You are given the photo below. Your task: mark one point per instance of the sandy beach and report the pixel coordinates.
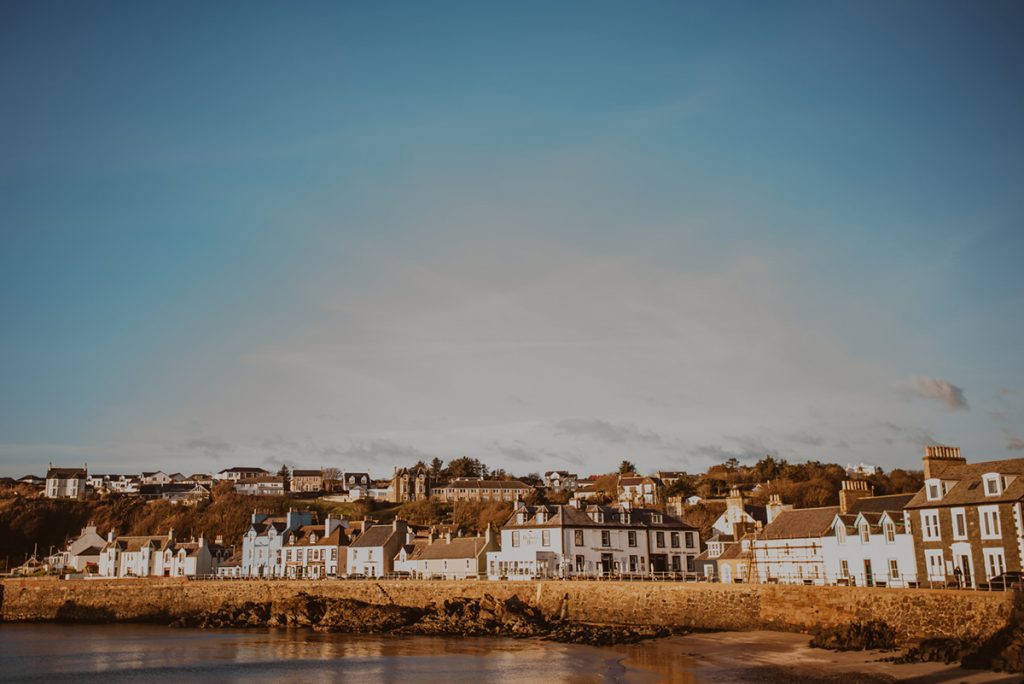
(769, 657)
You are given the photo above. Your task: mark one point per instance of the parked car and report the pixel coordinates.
(1008, 581)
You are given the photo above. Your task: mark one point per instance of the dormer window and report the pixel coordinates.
(656, 518)
(598, 516)
(521, 517)
(933, 489)
(865, 533)
(542, 516)
(993, 484)
(841, 533)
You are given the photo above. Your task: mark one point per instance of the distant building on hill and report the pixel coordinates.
(67, 483)
(474, 489)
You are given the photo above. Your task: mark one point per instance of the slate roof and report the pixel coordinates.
(307, 473)
(800, 523)
(65, 473)
(614, 516)
(880, 504)
(969, 488)
(459, 547)
(486, 484)
(375, 536)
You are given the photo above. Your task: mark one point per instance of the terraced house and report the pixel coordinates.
(552, 541)
(967, 521)
(473, 489)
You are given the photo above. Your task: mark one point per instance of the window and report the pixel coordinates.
(890, 533)
(936, 565)
(865, 533)
(659, 539)
(606, 538)
(545, 537)
(993, 484)
(990, 522)
(844, 569)
(515, 538)
(959, 523)
(930, 526)
(995, 563)
(933, 489)
(631, 536)
(841, 534)
(674, 537)
(894, 569)
(578, 537)
(690, 540)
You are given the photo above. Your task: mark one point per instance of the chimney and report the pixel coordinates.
(489, 534)
(938, 459)
(110, 536)
(852, 491)
(774, 507)
(170, 534)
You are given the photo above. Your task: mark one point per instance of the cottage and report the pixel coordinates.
(448, 557)
(373, 553)
(82, 553)
(790, 549)
(870, 543)
(157, 477)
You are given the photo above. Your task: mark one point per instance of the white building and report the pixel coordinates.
(261, 545)
(81, 553)
(156, 477)
(561, 480)
(639, 491)
(373, 552)
(265, 485)
(790, 549)
(66, 483)
(240, 473)
(448, 557)
(871, 545)
(567, 541)
(158, 556)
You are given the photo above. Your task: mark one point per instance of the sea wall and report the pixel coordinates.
(912, 613)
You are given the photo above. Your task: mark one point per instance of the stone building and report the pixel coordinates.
(410, 484)
(967, 521)
(307, 480)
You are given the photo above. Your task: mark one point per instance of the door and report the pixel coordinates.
(965, 568)
(606, 563)
(869, 579)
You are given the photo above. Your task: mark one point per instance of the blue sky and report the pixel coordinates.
(545, 234)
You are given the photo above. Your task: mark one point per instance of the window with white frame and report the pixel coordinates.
(995, 562)
(993, 484)
(894, 569)
(545, 537)
(844, 569)
(578, 537)
(935, 564)
(933, 489)
(959, 523)
(606, 538)
(989, 516)
(865, 533)
(841, 533)
(890, 533)
(515, 538)
(930, 526)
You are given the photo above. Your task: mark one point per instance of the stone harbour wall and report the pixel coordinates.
(912, 613)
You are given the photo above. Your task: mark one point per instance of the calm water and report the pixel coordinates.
(117, 653)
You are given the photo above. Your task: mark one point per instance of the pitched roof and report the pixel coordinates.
(879, 504)
(486, 484)
(800, 522)
(378, 535)
(307, 473)
(614, 516)
(458, 547)
(65, 473)
(969, 488)
(242, 469)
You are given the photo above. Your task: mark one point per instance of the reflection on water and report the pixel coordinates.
(109, 653)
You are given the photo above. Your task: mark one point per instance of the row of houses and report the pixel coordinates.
(138, 556)
(963, 528)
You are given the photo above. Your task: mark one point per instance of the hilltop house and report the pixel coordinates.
(307, 480)
(569, 541)
(478, 489)
(240, 473)
(66, 483)
(639, 491)
(410, 484)
(561, 480)
(263, 485)
(968, 520)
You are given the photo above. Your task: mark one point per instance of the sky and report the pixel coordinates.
(545, 235)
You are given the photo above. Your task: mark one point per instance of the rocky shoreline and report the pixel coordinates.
(487, 616)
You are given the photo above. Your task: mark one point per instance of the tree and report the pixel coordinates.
(436, 466)
(423, 512)
(464, 466)
(626, 468)
(286, 475)
(332, 479)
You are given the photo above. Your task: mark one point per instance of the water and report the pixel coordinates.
(119, 653)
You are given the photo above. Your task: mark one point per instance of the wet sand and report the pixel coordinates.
(770, 657)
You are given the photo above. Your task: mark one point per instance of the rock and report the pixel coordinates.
(858, 636)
